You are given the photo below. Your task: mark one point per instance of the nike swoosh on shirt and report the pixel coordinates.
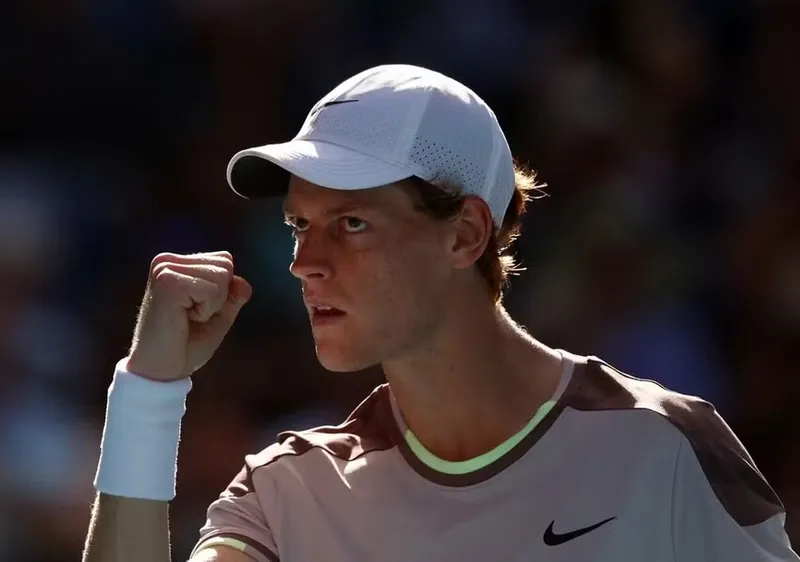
(555, 539)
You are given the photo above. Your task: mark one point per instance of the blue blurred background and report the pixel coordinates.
(668, 132)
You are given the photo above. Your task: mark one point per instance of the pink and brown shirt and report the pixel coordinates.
(612, 469)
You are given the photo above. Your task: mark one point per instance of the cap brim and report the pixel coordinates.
(252, 172)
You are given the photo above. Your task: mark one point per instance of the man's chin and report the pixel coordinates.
(338, 361)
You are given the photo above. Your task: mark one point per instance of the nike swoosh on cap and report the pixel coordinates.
(334, 102)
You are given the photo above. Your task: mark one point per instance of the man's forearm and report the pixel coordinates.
(136, 471)
(128, 530)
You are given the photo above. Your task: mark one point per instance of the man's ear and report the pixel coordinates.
(472, 229)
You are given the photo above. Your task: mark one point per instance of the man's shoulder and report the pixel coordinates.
(369, 427)
(704, 436)
(603, 387)
(599, 386)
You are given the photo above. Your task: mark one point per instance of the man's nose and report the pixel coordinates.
(311, 257)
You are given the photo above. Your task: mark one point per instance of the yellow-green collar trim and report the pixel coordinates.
(471, 465)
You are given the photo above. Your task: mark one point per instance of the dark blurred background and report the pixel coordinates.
(668, 132)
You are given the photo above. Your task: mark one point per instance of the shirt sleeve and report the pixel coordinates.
(237, 519)
(731, 515)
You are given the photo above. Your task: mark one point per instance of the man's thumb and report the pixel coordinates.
(239, 292)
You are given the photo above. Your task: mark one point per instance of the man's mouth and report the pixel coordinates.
(321, 310)
(326, 311)
(322, 316)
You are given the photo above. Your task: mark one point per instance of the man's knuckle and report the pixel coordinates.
(219, 264)
(227, 264)
(166, 280)
(160, 268)
(161, 258)
(222, 274)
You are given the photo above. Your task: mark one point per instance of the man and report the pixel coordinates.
(484, 444)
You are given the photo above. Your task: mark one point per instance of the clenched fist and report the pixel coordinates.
(190, 303)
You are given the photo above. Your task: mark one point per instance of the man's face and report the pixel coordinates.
(377, 262)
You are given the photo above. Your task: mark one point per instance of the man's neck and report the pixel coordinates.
(475, 385)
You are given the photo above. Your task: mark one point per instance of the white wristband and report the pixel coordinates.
(139, 449)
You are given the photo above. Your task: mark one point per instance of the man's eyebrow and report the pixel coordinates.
(343, 209)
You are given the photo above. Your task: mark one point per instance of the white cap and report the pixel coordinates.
(387, 124)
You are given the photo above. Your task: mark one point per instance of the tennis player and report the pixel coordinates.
(484, 444)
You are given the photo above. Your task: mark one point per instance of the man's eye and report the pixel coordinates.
(297, 225)
(353, 224)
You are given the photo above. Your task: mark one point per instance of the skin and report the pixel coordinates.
(466, 377)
